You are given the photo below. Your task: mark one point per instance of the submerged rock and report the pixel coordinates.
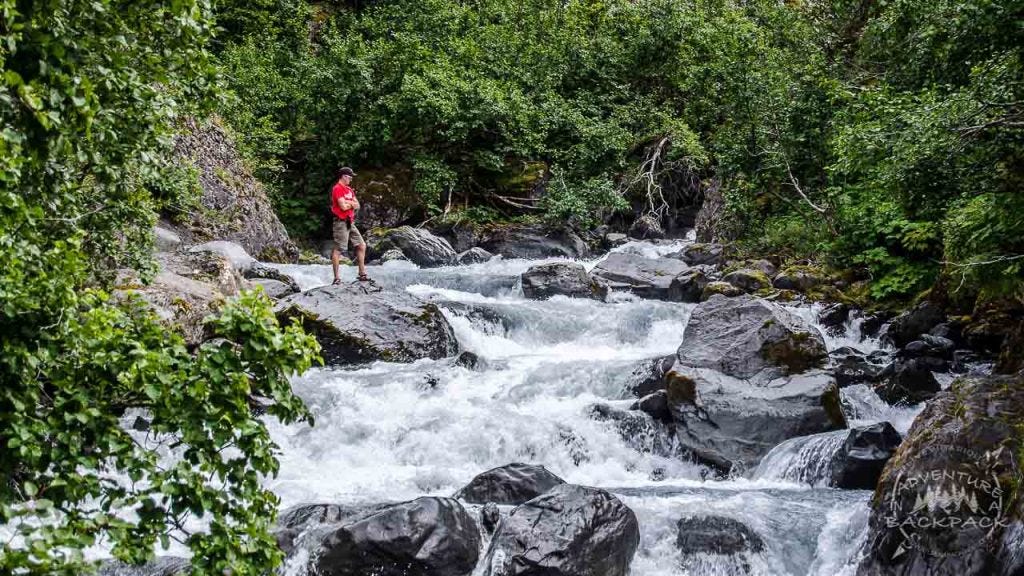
(557, 279)
(716, 535)
(945, 504)
(569, 531)
(859, 461)
(745, 337)
(509, 484)
(418, 245)
(428, 536)
(834, 316)
(354, 325)
(645, 277)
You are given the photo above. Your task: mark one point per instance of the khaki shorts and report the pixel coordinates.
(345, 233)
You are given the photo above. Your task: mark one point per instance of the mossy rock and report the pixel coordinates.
(720, 288)
(748, 279)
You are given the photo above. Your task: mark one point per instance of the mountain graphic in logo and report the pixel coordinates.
(947, 499)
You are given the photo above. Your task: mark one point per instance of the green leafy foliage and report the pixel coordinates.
(88, 95)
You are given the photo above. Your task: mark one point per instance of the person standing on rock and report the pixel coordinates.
(344, 206)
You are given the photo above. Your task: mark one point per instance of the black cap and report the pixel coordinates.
(346, 171)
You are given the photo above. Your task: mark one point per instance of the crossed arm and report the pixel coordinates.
(352, 204)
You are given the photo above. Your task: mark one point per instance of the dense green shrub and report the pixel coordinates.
(89, 92)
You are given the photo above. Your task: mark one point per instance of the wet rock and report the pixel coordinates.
(906, 382)
(719, 288)
(392, 255)
(655, 405)
(962, 360)
(929, 345)
(694, 254)
(534, 242)
(944, 505)
(273, 288)
(569, 531)
(614, 240)
(646, 227)
(428, 536)
(798, 278)
(236, 206)
(745, 336)
(716, 535)
(354, 325)
(729, 424)
(461, 236)
(763, 266)
(467, 359)
(833, 317)
(418, 245)
(909, 325)
(638, 430)
(858, 464)
(490, 515)
(233, 252)
(141, 424)
(873, 323)
(558, 279)
(509, 484)
(474, 255)
(689, 285)
(645, 277)
(160, 566)
(852, 367)
(259, 270)
(650, 376)
(748, 279)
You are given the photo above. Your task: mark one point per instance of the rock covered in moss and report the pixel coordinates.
(356, 325)
(720, 288)
(698, 253)
(798, 278)
(689, 285)
(947, 503)
(234, 204)
(748, 279)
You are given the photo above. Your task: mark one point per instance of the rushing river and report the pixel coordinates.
(388, 432)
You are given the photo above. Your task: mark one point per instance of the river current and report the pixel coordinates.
(390, 432)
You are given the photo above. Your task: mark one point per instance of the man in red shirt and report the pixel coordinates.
(344, 206)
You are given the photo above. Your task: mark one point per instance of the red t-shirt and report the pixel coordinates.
(342, 191)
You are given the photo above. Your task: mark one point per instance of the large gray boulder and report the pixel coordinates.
(909, 325)
(697, 253)
(948, 502)
(689, 285)
(716, 535)
(509, 484)
(355, 325)
(418, 245)
(858, 463)
(747, 337)
(234, 205)
(569, 531)
(534, 242)
(428, 536)
(560, 278)
(729, 424)
(474, 255)
(645, 277)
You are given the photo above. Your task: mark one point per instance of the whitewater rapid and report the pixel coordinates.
(391, 432)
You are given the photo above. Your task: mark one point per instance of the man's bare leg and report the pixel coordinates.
(360, 260)
(335, 262)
